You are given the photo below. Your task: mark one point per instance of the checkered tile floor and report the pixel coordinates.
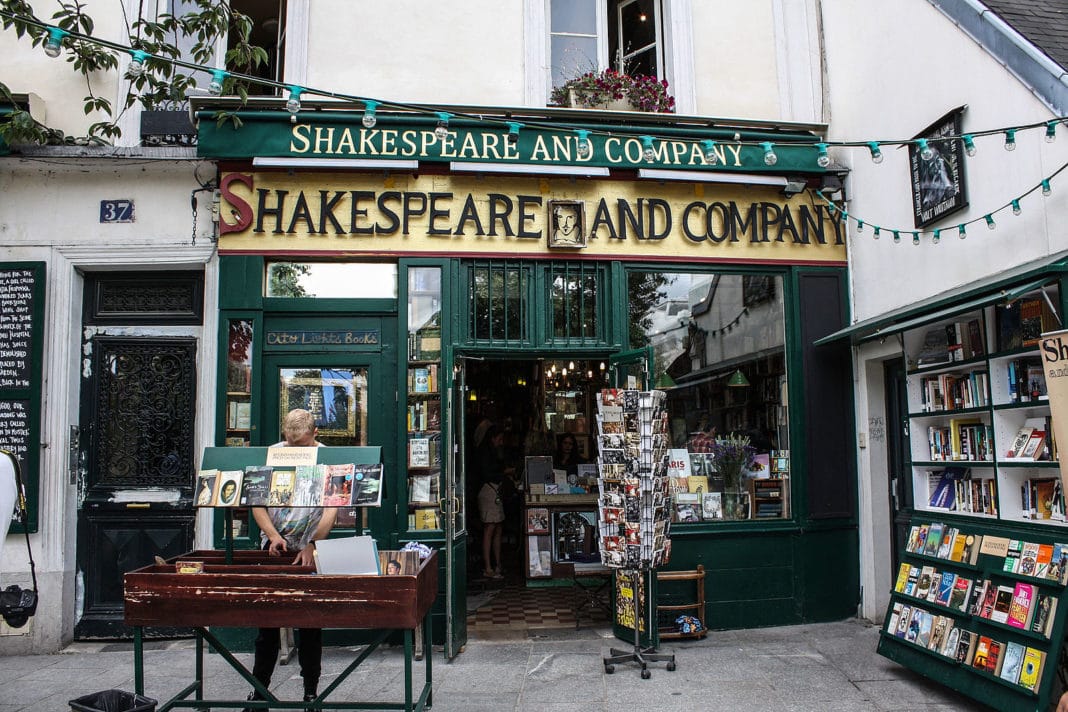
(518, 607)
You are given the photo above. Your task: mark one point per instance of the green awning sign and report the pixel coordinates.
(341, 136)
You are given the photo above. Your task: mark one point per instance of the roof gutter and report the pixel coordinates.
(1046, 79)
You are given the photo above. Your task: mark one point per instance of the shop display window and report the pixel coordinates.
(332, 280)
(719, 352)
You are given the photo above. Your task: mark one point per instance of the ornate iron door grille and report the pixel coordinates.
(143, 417)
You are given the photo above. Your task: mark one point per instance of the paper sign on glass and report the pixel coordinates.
(291, 456)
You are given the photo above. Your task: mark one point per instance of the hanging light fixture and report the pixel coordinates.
(218, 76)
(822, 159)
(926, 152)
(293, 103)
(738, 380)
(137, 62)
(1010, 139)
(513, 132)
(876, 152)
(969, 144)
(770, 159)
(441, 131)
(711, 158)
(648, 152)
(54, 44)
(582, 145)
(369, 119)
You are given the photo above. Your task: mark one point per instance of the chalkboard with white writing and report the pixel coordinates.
(16, 326)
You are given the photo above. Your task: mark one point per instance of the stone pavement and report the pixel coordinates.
(826, 667)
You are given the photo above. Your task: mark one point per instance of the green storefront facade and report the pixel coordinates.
(466, 226)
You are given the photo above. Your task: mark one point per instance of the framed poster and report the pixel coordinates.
(567, 224)
(333, 396)
(938, 185)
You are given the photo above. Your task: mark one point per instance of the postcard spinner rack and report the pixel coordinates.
(633, 515)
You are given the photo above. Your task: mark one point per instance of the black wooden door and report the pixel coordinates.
(138, 465)
(897, 457)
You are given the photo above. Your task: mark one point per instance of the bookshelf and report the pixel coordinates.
(939, 634)
(238, 412)
(423, 455)
(975, 391)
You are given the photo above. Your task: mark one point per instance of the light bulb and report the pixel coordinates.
(876, 152)
(709, 148)
(822, 159)
(218, 76)
(293, 104)
(441, 131)
(602, 365)
(915, 238)
(1016, 207)
(990, 221)
(937, 236)
(897, 236)
(926, 152)
(513, 132)
(875, 232)
(770, 159)
(1051, 131)
(1046, 190)
(969, 144)
(962, 232)
(54, 44)
(582, 145)
(369, 119)
(1010, 139)
(860, 226)
(648, 152)
(137, 62)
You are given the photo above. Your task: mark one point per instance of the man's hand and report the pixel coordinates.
(306, 557)
(277, 545)
(1062, 706)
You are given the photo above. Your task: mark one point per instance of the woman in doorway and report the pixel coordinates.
(490, 502)
(567, 455)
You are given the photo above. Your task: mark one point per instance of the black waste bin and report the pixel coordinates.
(113, 701)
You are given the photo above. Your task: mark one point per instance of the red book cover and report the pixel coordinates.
(1023, 597)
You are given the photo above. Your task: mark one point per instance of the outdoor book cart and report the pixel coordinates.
(254, 592)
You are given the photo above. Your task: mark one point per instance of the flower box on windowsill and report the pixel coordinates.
(575, 102)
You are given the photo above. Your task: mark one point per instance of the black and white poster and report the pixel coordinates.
(938, 187)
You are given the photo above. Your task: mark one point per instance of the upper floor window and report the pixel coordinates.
(589, 35)
(269, 32)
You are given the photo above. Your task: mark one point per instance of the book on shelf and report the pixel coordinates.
(970, 553)
(994, 546)
(1058, 567)
(1021, 606)
(923, 587)
(1012, 662)
(1043, 559)
(206, 480)
(1012, 556)
(308, 486)
(712, 506)
(923, 632)
(337, 485)
(1019, 442)
(965, 651)
(917, 538)
(228, 488)
(935, 348)
(940, 626)
(902, 576)
(537, 520)
(1044, 613)
(1028, 559)
(1008, 327)
(1035, 317)
(283, 483)
(256, 486)
(367, 484)
(895, 616)
(1002, 603)
(949, 648)
(913, 580)
(986, 604)
(420, 380)
(934, 538)
(419, 452)
(958, 598)
(945, 588)
(419, 489)
(1033, 449)
(904, 621)
(944, 494)
(1031, 669)
(426, 518)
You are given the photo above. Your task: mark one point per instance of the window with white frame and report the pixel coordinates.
(589, 35)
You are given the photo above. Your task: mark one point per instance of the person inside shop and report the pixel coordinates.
(496, 476)
(292, 532)
(567, 456)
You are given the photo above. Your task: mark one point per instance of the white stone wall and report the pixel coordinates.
(50, 213)
(892, 70)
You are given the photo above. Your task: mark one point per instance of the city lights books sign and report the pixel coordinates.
(938, 187)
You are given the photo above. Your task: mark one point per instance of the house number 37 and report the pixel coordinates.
(116, 211)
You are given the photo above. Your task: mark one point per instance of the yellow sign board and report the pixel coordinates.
(450, 215)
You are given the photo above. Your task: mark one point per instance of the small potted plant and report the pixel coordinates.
(610, 89)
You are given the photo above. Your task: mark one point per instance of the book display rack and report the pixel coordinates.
(983, 614)
(633, 510)
(423, 428)
(980, 434)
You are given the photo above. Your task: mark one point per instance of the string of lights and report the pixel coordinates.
(936, 233)
(57, 37)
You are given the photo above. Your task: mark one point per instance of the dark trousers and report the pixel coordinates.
(309, 653)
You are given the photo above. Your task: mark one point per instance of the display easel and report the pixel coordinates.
(633, 515)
